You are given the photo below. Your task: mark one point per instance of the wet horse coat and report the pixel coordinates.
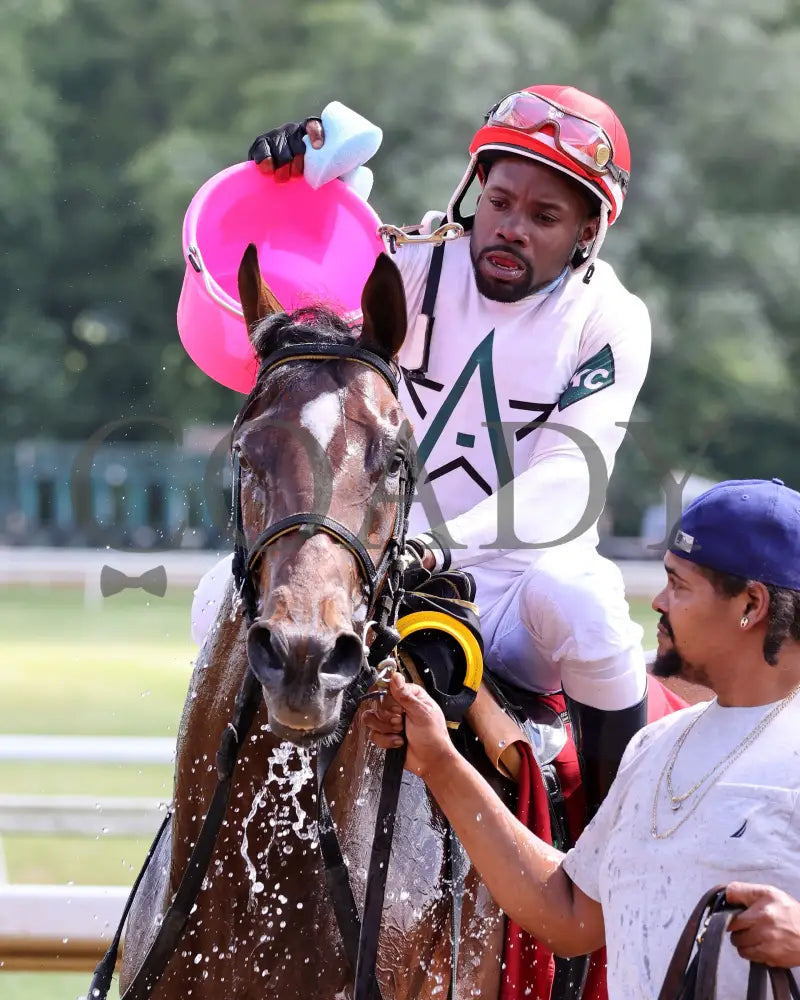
(263, 925)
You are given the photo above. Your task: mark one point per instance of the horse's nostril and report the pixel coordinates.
(265, 661)
(344, 661)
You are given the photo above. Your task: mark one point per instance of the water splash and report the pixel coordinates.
(288, 770)
(237, 603)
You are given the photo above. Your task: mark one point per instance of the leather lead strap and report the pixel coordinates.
(337, 876)
(704, 933)
(366, 984)
(455, 866)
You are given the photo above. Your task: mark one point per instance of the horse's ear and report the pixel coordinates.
(257, 298)
(383, 305)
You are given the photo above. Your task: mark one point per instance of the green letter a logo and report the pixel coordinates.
(481, 359)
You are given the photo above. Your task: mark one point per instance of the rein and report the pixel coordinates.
(384, 588)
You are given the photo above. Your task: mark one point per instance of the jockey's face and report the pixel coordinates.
(698, 622)
(529, 221)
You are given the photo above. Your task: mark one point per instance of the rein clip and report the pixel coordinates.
(395, 236)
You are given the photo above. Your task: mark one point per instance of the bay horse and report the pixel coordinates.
(263, 925)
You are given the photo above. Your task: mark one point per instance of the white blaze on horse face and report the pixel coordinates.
(320, 416)
(374, 409)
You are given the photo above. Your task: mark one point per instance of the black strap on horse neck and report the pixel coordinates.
(359, 936)
(174, 921)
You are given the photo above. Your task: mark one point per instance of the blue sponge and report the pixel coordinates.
(350, 140)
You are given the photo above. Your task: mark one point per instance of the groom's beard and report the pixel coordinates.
(668, 664)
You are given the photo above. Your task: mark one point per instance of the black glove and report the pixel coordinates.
(281, 145)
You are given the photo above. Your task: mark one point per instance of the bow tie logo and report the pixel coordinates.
(112, 581)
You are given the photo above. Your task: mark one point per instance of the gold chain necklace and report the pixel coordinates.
(665, 778)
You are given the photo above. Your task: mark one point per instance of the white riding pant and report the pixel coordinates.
(561, 623)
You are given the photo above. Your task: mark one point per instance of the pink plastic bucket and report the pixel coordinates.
(313, 246)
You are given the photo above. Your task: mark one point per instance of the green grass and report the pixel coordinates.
(46, 986)
(120, 667)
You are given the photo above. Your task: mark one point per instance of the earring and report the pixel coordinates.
(744, 622)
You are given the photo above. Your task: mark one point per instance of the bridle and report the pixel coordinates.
(383, 583)
(381, 580)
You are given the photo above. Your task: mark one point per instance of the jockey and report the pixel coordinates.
(519, 394)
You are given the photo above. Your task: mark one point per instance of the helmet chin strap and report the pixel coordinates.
(591, 257)
(454, 207)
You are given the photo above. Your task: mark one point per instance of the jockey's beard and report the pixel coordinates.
(498, 287)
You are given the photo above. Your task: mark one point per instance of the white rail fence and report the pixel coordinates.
(81, 567)
(68, 928)
(46, 927)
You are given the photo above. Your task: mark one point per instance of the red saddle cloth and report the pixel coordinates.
(529, 966)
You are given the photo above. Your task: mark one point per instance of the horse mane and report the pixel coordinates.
(309, 324)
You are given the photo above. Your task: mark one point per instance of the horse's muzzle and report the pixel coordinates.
(303, 676)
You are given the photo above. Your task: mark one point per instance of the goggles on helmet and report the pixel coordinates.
(583, 141)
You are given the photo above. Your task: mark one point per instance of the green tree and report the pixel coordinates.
(116, 113)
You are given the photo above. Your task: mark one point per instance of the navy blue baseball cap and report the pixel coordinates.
(747, 527)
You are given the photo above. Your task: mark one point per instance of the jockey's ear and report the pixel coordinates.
(257, 298)
(383, 304)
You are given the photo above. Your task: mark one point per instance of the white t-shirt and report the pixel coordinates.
(747, 828)
(574, 357)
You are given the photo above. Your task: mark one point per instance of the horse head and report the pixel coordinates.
(321, 459)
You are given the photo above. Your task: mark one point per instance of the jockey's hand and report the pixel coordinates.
(281, 151)
(426, 739)
(420, 562)
(769, 929)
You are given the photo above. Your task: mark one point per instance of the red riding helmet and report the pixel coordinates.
(568, 130)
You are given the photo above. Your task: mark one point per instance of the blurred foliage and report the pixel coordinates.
(115, 113)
